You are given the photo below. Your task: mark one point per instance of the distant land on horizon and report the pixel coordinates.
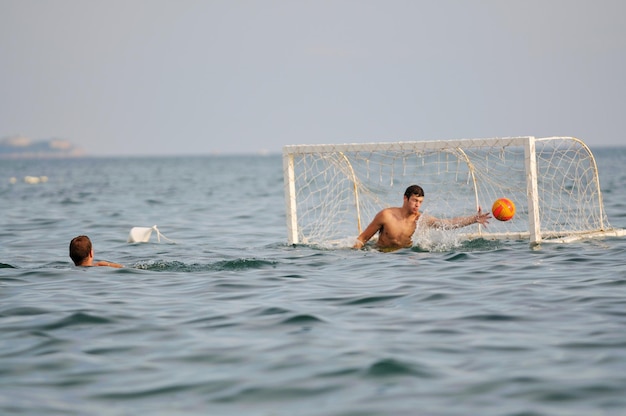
(20, 147)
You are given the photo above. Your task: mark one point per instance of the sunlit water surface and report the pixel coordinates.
(232, 320)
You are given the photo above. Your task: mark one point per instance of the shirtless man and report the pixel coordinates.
(395, 226)
(81, 253)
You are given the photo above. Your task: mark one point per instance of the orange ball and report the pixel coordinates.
(503, 209)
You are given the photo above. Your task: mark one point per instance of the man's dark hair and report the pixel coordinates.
(80, 248)
(413, 190)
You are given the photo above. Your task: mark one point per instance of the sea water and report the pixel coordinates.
(230, 319)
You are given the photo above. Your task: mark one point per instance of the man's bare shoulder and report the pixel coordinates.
(427, 220)
(387, 214)
(391, 211)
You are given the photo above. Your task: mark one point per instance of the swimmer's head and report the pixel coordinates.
(413, 190)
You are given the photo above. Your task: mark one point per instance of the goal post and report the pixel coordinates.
(333, 191)
(530, 161)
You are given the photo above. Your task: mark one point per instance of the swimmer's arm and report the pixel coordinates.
(458, 222)
(108, 264)
(373, 228)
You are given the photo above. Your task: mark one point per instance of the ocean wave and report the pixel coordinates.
(221, 265)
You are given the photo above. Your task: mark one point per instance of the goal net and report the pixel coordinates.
(332, 192)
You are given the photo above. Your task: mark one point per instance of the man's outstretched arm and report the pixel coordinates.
(459, 222)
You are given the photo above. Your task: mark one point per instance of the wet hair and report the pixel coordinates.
(413, 190)
(80, 248)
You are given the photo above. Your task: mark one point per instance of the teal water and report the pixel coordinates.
(232, 320)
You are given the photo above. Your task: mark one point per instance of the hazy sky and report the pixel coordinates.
(153, 77)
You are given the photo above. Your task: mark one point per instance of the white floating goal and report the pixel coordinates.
(332, 192)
